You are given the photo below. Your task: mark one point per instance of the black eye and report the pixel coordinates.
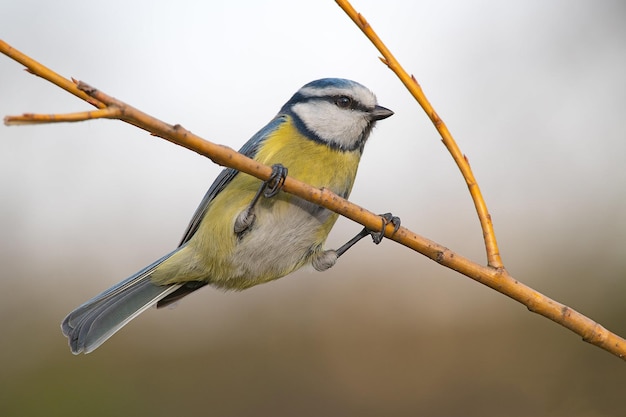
(343, 101)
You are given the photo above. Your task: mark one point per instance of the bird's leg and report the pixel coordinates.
(268, 189)
(327, 258)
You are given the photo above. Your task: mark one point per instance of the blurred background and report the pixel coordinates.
(534, 93)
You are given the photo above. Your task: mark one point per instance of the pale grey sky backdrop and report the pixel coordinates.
(533, 91)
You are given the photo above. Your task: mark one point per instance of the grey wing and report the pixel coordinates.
(249, 149)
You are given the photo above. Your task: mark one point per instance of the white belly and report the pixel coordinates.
(281, 239)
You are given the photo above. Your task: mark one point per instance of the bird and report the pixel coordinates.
(247, 231)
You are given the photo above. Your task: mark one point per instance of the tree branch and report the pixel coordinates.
(496, 278)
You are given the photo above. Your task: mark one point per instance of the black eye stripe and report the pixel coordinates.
(354, 104)
(299, 98)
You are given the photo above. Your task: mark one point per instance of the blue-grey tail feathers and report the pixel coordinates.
(92, 323)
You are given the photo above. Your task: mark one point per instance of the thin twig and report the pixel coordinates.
(496, 278)
(491, 245)
(46, 73)
(33, 119)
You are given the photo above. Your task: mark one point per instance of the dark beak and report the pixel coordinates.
(380, 113)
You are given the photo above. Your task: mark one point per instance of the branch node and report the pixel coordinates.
(83, 86)
(362, 21)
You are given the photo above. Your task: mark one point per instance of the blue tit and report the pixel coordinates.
(245, 231)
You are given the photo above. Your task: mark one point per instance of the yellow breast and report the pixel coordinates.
(310, 161)
(287, 229)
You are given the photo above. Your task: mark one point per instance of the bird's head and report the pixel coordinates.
(336, 111)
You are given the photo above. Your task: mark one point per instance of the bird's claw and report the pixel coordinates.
(377, 237)
(268, 189)
(387, 218)
(276, 180)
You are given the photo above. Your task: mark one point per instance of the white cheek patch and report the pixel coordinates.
(344, 127)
